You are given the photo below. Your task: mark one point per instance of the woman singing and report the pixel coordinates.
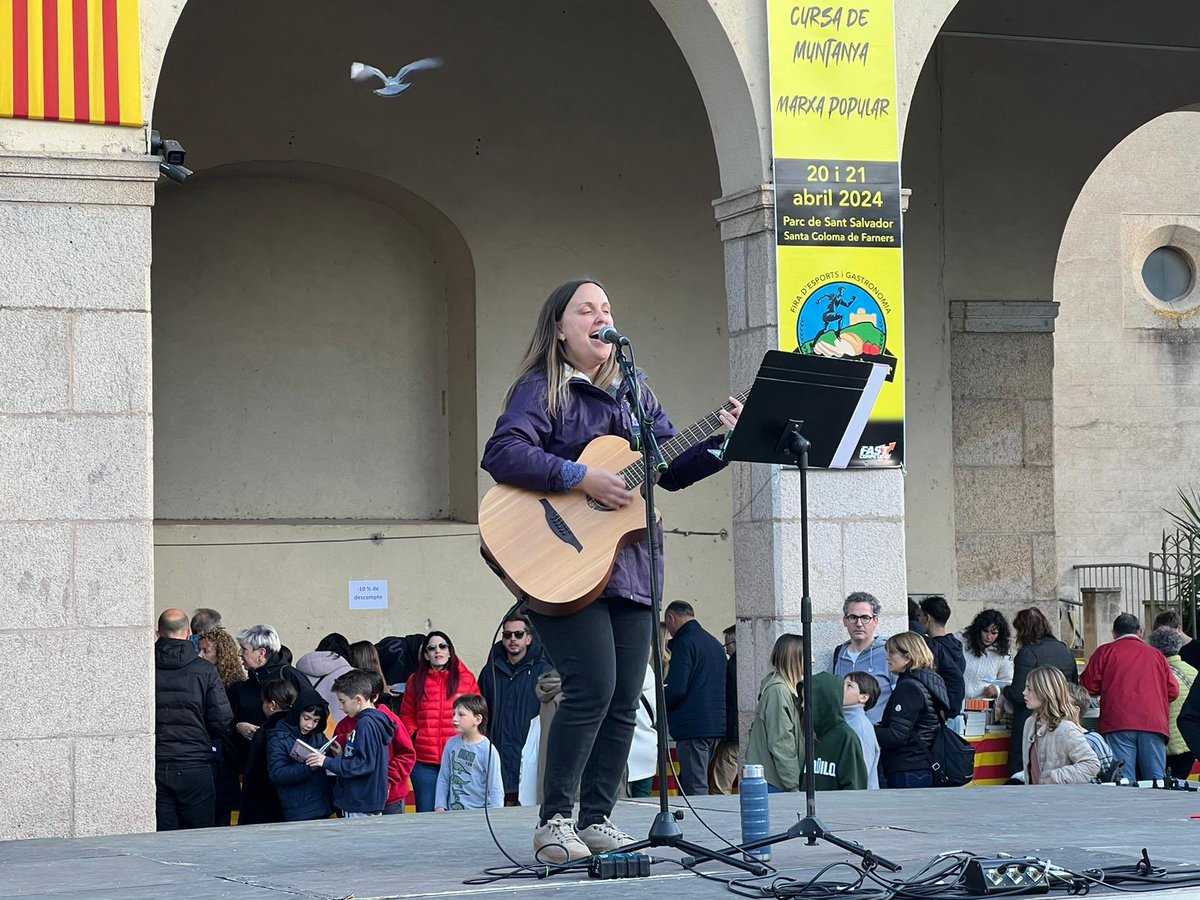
(568, 391)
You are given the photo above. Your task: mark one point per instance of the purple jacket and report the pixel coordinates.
(527, 450)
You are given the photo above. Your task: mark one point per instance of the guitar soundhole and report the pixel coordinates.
(561, 529)
(597, 505)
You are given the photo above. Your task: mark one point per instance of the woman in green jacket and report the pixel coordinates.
(776, 737)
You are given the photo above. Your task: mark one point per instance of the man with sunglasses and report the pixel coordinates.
(508, 682)
(864, 652)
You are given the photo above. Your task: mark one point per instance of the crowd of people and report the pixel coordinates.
(245, 728)
(899, 693)
(348, 729)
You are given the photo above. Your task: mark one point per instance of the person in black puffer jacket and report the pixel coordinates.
(265, 661)
(190, 713)
(260, 800)
(915, 711)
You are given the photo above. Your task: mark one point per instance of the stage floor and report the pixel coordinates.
(1080, 826)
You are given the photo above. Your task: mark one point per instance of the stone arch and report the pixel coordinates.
(1124, 399)
(1012, 110)
(725, 48)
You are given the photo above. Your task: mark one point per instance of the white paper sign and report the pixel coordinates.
(368, 594)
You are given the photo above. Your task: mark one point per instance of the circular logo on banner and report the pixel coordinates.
(841, 318)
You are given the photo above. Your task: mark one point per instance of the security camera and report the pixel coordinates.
(179, 174)
(171, 151)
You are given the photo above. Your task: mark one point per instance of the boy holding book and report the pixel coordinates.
(361, 771)
(304, 793)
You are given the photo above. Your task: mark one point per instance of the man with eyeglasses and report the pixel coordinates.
(864, 652)
(508, 682)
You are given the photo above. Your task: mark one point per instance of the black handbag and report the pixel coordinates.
(953, 757)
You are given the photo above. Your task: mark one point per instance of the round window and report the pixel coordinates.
(1167, 273)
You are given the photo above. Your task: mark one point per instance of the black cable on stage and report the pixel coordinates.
(944, 878)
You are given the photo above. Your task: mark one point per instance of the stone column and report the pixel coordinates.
(1001, 363)
(856, 517)
(75, 494)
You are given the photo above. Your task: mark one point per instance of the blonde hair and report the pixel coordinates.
(914, 647)
(787, 659)
(1049, 685)
(546, 354)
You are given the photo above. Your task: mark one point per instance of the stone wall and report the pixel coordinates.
(75, 507)
(1002, 358)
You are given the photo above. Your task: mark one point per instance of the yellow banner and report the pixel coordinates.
(837, 196)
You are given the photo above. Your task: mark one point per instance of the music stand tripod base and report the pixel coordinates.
(801, 409)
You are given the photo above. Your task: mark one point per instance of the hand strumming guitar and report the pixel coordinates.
(607, 487)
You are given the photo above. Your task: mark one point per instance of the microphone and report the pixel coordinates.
(610, 335)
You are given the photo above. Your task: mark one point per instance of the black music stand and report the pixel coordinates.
(807, 410)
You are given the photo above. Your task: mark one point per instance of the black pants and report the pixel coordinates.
(694, 755)
(601, 654)
(184, 796)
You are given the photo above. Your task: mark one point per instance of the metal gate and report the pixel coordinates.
(1174, 573)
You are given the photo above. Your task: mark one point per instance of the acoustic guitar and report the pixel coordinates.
(557, 551)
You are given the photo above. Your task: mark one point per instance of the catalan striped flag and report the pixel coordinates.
(71, 61)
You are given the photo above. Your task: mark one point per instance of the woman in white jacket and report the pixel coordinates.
(1056, 750)
(986, 647)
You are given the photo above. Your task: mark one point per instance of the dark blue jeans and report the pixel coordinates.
(424, 782)
(920, 778)
(601, 653)
(1143, 749)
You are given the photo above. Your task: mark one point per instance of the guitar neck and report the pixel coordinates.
(671, 449)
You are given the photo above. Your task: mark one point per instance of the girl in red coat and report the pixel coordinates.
(427, 712)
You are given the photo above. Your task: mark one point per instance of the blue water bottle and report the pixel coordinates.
(756, 816)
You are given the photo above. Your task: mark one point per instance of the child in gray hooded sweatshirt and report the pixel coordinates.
(862, 693)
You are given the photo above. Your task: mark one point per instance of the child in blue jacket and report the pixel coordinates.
(304, 793)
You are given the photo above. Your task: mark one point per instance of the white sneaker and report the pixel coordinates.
(604, 837)
(556, 842)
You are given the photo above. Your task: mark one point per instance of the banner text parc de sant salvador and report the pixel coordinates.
(837, 196)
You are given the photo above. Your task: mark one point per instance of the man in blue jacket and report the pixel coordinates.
(695, 694)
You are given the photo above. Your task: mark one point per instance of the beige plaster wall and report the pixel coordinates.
(929, 477)
(1128, 369)
(434, 573)
(300, 334)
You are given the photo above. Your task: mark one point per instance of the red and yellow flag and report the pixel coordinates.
(71, 61)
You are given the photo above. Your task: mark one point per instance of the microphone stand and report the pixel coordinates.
(665, 831)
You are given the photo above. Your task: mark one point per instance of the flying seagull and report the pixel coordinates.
(394, 85)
